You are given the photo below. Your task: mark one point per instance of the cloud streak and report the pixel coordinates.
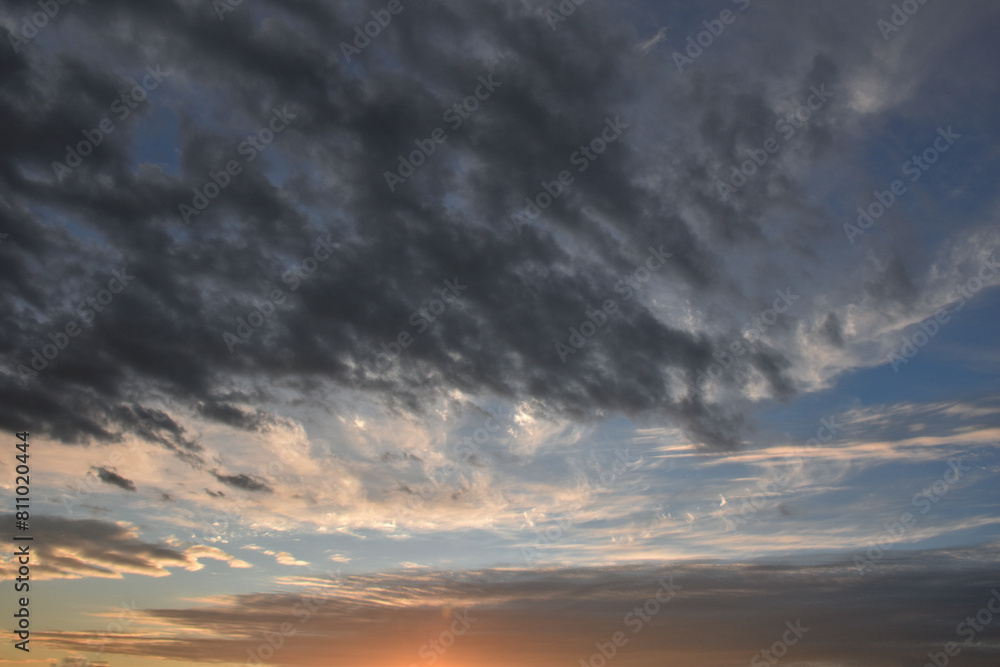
(721, 614)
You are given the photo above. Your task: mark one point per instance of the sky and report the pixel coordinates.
(426, 332)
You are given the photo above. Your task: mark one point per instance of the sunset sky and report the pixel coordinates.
(502, 332)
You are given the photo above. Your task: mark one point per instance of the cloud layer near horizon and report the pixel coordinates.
(712, 614)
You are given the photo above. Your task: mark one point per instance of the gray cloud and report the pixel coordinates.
(243, 481)
(78, 548)
(111, 477)
(323, 177)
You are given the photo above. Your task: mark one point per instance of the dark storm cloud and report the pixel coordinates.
(156, 426)
(226, 413)
(832, 329)
(111, 477)
(323, 178)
